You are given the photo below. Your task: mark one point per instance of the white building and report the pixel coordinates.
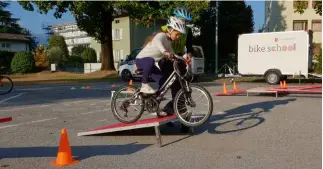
(280, 16)
(14, 42)
(72, 34)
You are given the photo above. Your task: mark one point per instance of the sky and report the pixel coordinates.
(34, 20)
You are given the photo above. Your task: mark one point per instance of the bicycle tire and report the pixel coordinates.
(11, 84)
(208, 115)
(114, 110)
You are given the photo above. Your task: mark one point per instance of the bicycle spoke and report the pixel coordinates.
(197, 112)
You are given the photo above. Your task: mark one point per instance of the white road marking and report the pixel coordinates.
(4, 100)
(93, 111)
(67, 104)
(11, 125)
(27, 107)
(68, 109)
(221, 112)
(216, 101)
(104, 101)
(36, 121)
(238, 104)
(19, 124)
(31, 89)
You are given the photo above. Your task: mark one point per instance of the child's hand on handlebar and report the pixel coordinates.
(168, 55)
(188, 58)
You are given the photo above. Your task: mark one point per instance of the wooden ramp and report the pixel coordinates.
(145, 123)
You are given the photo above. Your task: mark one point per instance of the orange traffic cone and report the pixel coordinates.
(130, 84)
(281, 84)
(235, 89)
(225, 91)
(284, 84)
(64, 155)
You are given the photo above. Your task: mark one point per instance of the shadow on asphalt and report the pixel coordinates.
(240, 118)
(80, 152)
(166, 130)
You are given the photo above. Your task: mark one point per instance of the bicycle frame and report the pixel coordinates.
(168, 83)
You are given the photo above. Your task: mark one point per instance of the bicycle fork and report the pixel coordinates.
(187, 93)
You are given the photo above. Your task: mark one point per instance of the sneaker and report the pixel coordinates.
(162, 113)
(169, 108)
(145, 88)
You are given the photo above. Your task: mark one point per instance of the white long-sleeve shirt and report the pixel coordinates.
(155, 49)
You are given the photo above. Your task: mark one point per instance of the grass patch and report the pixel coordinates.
(48, 77)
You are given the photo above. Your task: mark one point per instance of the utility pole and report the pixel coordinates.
(216, 7)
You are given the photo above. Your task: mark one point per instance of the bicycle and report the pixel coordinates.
(151, 102)
(3, 90)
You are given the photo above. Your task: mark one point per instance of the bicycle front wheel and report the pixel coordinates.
(6, 85)
(190, 115)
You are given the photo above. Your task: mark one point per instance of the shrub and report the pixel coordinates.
(56, 55)
(78, 50)
(74, 61)
(58, 41)
(89, 55)
(23, 62)
(318, 66)
(5, 60)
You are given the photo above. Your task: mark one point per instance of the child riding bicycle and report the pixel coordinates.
(158, 46)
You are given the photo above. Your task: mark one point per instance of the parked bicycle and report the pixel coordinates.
(182, 101)
(6, 85)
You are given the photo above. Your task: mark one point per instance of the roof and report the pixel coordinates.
(16, 37)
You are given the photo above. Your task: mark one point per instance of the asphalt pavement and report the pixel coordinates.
(252, 132)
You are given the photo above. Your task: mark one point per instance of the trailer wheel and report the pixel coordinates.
(272, 77)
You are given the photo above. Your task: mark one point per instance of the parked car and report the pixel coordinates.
(127, 67)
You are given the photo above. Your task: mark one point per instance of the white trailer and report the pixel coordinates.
(274, 55)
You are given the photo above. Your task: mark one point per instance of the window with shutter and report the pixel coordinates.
(117, 34)
(121, 33)
(113, 36)
(299, 25)
(317, 25)
(121, 55)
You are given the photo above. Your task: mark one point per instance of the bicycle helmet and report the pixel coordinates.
(176, 24)
(183, 13)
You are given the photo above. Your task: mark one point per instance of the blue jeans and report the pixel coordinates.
(149, 68)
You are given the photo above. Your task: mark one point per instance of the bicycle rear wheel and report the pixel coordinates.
(6, 85)
(120, 112)
(185, 115)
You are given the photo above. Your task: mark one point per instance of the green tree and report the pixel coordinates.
(96, 18)
(78, 50)
(234, 18)
(8, 24)
(58, 41)
(56, 55)
(48, 31)
(89, 55)
(301, 6)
